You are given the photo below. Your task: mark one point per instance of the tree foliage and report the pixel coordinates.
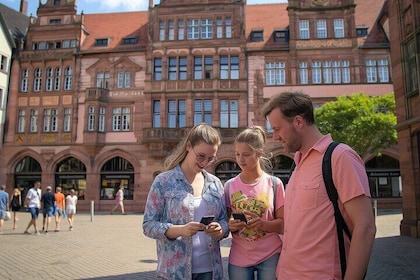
(364, 123)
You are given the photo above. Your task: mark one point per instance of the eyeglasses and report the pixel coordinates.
(203, 157)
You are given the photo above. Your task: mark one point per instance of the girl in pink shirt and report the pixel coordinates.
(256, 243)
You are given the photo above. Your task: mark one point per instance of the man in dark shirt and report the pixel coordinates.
(48, 202)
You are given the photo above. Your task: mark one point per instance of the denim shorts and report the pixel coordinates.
(2, 214)
(265, 270)
(49, 211)
(34, 212)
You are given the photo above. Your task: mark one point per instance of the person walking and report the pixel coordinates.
(47, 202)
(71, 202)
(260, 198)
(33, 203)
(310, 247)
(4, 205)
(181, 201)
(60, 206)
(16, 205)
(119, 198)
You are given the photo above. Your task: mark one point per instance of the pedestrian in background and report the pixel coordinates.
(4, 205)
(47, 202)
(16, 205)
(60, 206)
(33, 203)
(260, 197)
(71, 202)
(119, 198)
(177, 201)
(310, 247)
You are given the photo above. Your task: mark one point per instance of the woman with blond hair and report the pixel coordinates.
(16, 205)
(188, 247)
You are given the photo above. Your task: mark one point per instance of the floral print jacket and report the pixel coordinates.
(171, 202)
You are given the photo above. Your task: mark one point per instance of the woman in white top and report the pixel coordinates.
(71, 202)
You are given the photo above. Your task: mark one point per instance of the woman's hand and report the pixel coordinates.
(214, 229)
(235, 225)
(254, 221)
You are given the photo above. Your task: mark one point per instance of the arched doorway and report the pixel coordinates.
(281, 167)
(71, 174)
(117, 171)
(226, 170)
(27, 172)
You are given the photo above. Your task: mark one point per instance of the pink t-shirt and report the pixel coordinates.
(310, 247)
(250, 247)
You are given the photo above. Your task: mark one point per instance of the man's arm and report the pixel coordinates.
(360, 213)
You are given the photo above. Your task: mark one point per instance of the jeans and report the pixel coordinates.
(266, 270)
(202, 276)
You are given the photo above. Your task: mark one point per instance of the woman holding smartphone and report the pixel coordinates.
(255, 199)
(178, 200)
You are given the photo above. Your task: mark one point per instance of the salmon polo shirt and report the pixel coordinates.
(310, 246)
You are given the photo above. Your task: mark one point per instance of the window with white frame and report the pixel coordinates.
(275, 73)
(156, 113)
(50, 120)
(206, 29)
(176, 113)
(177, 68)
(316, 72)
(102, 80)
(161, 31)
(68, 78)
(303, 72)
(326, 72)
(67, 119)
(321, 29)
(383, 70)
(181, 29)
(202, 111)
(21, 121)
(229, 114)
(229, 67)
(49, 80)
(123, 79)
(228, 28)
(339, 28)
(3, 63)
(33, 124)
(193, 29)
(171, 30)
(37, 79)
(57, 78)
(24, 81)
(304, 29)
(102, 119)
(121, 118)
(371, 75)
(219, 28)
(91, 118)
(345, 68)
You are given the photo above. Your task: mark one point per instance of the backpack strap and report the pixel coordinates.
(333, 195)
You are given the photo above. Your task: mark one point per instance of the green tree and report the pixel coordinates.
(362, 122)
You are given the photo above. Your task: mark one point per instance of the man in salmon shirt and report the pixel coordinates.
(310, 247)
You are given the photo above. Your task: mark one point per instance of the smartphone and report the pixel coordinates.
(207, 220)
(240, 216)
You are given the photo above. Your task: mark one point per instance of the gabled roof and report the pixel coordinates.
(115, 27)
(16, 22)
(272, 17)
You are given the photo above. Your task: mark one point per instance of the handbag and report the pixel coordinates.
(7, 216)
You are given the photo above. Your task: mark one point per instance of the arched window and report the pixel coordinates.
(27, 172)
(115, 172)
(71, 174)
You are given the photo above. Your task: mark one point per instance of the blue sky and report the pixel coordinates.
(108, 6)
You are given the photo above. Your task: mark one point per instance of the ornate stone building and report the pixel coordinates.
(404, 21)
(93, 103)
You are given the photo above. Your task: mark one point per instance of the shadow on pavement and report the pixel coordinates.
(395, 257)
